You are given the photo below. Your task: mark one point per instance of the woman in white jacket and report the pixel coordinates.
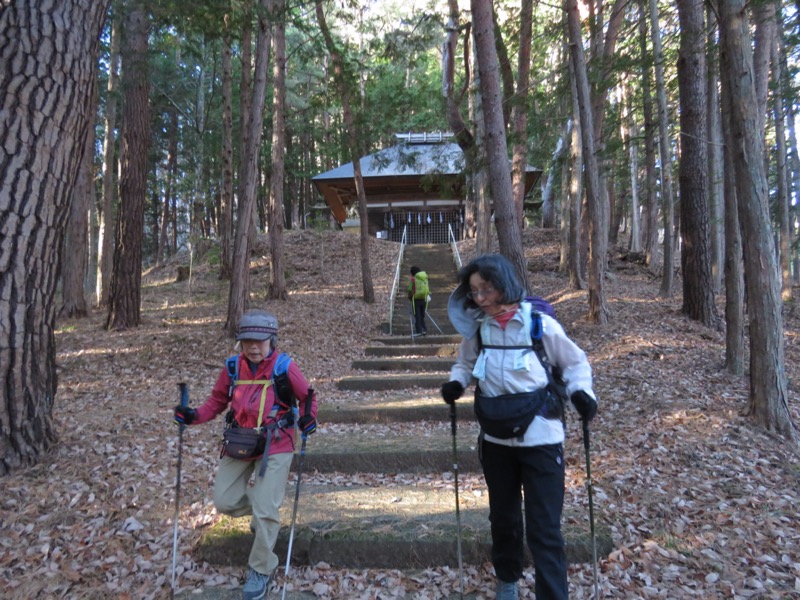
(522, 435)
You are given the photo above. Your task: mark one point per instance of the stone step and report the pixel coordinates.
(428, 340)
(409, 447)
(448, 350)
(385, 382)
(404, 364)
(396, 523)
(422, 405)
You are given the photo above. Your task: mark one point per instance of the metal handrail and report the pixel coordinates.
(454, 246)
(396, 282)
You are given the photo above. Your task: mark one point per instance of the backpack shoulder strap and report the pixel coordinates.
(280, 379)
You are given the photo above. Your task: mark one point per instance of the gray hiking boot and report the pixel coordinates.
(255, 588)
(507, 590)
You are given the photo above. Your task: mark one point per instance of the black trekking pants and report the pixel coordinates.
(537, 471)
(419, 316)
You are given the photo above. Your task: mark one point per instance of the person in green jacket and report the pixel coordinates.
(419, 293)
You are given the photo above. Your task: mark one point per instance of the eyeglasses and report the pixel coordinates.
(483, 292)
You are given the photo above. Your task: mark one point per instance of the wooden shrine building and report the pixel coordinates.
(418, 185)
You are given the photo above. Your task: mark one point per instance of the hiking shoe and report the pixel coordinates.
(506, 590)
(255, 588)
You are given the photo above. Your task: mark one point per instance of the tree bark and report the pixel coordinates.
(716, 196)
(509, 231)
(665, 155)
(519, 117)
(768, 393)
(651, 202)
(170, 170)
(781, 174)
(698, 289)
(49, 67)
(575, 263)
(342, 82)
(598, 235)
(226, 190)
(124, 302)
(76, 240)
(277, 286)
(239, 291)
(105, 239)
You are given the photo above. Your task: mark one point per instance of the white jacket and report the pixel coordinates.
(511, 371)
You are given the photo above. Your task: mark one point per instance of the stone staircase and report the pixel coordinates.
(392, 428)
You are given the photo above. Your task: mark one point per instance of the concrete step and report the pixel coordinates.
(386, 382)
(410, 447)
(391, 524)
(404, 364)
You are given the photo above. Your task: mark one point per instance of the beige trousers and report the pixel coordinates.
(233, 496)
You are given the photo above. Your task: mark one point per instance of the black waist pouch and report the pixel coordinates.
(243, 442)
(508, 416)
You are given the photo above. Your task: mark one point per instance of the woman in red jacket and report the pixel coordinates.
(258, 401)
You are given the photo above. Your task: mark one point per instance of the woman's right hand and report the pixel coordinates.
(184, 415)
(452, 391)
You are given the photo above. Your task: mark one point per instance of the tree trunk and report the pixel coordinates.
(764, 19)
(170, 171)
(698, 289)
(792, 153)
(239, 291)
(768, 393)
(509, 231)
(342, 81)
(782, 199)
(76, 240)
(575, 263)
(226, 191)
(124, 303)
(480, 179)
(716, 196)
(665, 154)
(651, 202)
(633, 158)
(277, 286)
(51, 91)
(598, 235)
(519, 113)
(734, 277)
(105, 239)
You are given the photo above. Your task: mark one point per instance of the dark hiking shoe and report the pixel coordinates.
(507, 590)
(255, 588)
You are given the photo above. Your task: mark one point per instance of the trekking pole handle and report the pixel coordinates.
(184, 394)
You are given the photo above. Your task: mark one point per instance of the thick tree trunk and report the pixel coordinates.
(124, 303)
(598, 235)
(49, 67)
(239, 291)
(509, 231)
(353, 135)
(768, 393)
(105, 237)
(277, 284)
(698, 289)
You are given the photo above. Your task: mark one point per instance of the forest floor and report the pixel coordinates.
(700, 502)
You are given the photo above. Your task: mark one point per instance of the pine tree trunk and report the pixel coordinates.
(36, 188)
(124, 303)
(781, 174)
(105, 237)
(651, 202)
(698, 291)
(598, 235)
(509, 231)
(768, 393)
(576, 273)
(239, 291)
(716, 196)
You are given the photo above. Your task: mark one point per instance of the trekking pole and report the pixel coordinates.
(591, 506)
(458, 509)
(411, 320)
(435, 324)
(296, 496)
(184, 402)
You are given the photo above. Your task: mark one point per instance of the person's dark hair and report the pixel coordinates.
(498, 270)
(415, 270)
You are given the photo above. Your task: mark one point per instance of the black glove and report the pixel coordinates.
(452, 391)
(584, 404)
(184, 415)
(307, 424)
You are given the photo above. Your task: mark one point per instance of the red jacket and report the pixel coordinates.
(247, 398)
